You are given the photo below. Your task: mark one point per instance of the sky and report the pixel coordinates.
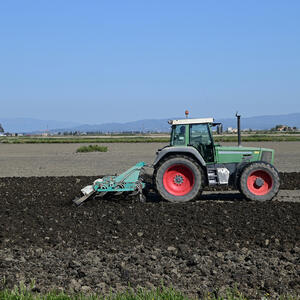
(124, 60)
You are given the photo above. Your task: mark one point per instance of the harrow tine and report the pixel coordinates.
(79, 201)
(118, 193)
(134, 193)
(100, 195)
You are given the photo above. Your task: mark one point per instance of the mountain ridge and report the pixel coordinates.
(28, 125)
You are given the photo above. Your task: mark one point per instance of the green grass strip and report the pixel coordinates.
(92, 148)
(29, 140)
(160, 293)
(71, 140)
(258, 138)
(22, 293)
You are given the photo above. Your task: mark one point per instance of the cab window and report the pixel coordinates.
(199, 134)
(178, 135)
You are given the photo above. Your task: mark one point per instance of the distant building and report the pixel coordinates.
(231, 130)
(284, 128)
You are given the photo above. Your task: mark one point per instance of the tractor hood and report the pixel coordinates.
(234, 154)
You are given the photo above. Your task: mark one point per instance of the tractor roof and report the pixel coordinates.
(191, 121)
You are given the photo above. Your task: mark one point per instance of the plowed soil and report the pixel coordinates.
(196, 247)
(289, 181)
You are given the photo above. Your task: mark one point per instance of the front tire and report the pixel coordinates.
(259, 181)
(179, 179)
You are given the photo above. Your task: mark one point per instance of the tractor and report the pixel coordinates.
(193, 161)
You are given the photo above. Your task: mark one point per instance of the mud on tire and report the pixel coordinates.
(179, 179)
(259, 181)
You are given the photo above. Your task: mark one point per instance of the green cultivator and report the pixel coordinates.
(128, 181)
(192, 161)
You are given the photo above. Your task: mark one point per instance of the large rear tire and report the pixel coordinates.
(179, 179)
(259, 181)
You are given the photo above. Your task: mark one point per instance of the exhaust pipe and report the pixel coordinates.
(238, 128)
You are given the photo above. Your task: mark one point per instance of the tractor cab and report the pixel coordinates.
(196, 133)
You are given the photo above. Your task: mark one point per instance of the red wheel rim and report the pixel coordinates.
(178, 180)
(265, 185)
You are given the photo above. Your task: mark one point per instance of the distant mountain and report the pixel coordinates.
(161, 125)
(33, 125)
(263, 122)
(158, 125)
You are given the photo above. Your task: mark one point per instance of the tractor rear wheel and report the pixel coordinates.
(179, 179)
(259, 181)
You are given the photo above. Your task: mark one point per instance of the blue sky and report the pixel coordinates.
(100, 61)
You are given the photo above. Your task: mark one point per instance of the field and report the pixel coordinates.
(217, 242)
(62, 159)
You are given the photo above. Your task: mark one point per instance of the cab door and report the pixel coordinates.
(200, 138)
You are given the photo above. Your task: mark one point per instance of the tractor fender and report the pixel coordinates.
(188, 150)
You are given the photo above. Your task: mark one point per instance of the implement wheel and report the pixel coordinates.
(179, 179)
(259, 181)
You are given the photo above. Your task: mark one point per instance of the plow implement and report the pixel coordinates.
(127, 182)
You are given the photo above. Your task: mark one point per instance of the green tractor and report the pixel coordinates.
(193, 161)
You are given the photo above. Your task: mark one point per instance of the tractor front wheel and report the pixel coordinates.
(179, 179)
(259, 181)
